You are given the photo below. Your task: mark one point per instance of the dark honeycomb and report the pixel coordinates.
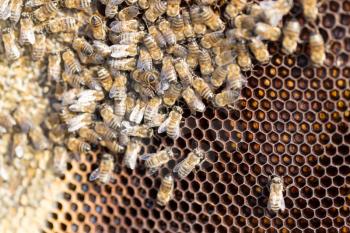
(293, 120)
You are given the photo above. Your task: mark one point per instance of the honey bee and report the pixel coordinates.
(155, 10)
(219, 76)
(60, 159)
(226, 97)
(79, 121)
(193, 53)
(234, 79)
(90, 81)
(136, 114)
(184, 72)
(127, 38)
(82, 46)
(39, 47)
(133, 148)
(120, 108)
(310, 9)
(139, 131)
(205, 62)
(275, 10)
(211, 39)
(153, 49)
(276, 199)
(71, 64)
(291, 34)
(168, 33)
(118, 89)
(46, 11)
(267, 32)
(224, 58)
(172, 124)
(184, 168)
(105, 132)
(77, 4)
(255, 11)
(74, 80)
(152, 108)
(234, 7)
(18, 143)
(143, 4)
(172, 94)
(197, 17)
(98, 27)
(317, 49)
(178, 51)
(243, 58)
(211, 19)
(125, 64)
(178, 26)
(65, 24)
(104, 172)
(168, 72)
(38, 138)
(125, 26)
(15, 11)
(54, 67)
(23, 120)
(144, 61)
(188, 28)
(166, 190)
(101, 48)
(110, 119)
(11, 49)
(89, 135)
(173, 7)
(105, 78)
(121, 51)
(193, 101)
(202, 88)
(147, 78)
(259, 49)
(154, 161)
(128, 13)
(6, 122)
(113, 146)
(111, 9)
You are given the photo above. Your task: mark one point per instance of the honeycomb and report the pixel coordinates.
(292, 120)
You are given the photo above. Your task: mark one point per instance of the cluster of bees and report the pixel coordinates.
(127, 64)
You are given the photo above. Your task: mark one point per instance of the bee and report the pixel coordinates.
(60, 159)
(139, 131)
(57, 133)
(226, 97)
(137, 112)
(110, 119)
(193, 53)
(157, 9)
(130, 103)
(101, 48)
(202, 88)
(54, 67)
(152, 108)
(79, 121)
(74, 80)
(125, 26)
(178, 26)
(219, 76)
(154, 161)
(234, 7)
(77, 4)
(317, 49)
(19, 141)
(90, 95)
(178, 51)
(168, 72)
(113, 146)
(104, 172)
(224, 58)
(105, 78)
(276, 199)
(143, 4)
(147, 78)
(11, 49)
(15, 11)
(65, 24)
(243, 58)
(267, 32)
(259, 49)
(172, 94)
(173, 7)
(111, 9)
(39, 47)
(184, 72)
(291, 34)
(23, 120)
(211, 19)
(168, 33)
(104, 131)
(310, 9)
(255, 11)
(234, 79)
(188, 28)
(121, 51)
(205, 62)
(197, 18)
(133, 148)
(127, 38)
(6, 122)
(166, 190)
(71, 64)
(128, 13)
(98, 27)
(125, 64)
(87, 107)
(82, 46)
(118, 89)
(153, 49)
(144, 61)
(192, 100)
(172, 124)
(89, 135)
(184, 168)
(90, 81)
(46, 11)
(120, 108)
(275, 10)
(38, 138)
(211, 39)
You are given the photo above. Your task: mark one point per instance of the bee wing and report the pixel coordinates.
(94, 174)
(163, 126)
(151, 171)
(147, 156)
(177, 130)
(135, 113)
(283, 204)
(177, 166)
